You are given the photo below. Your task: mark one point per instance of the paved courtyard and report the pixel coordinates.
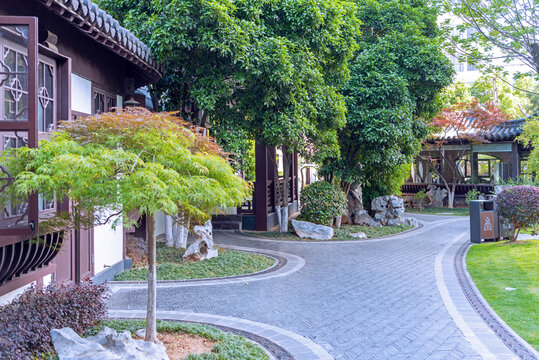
(375, 299)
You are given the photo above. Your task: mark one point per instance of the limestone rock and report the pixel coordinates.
(305, 229)
(107, 345)
(362, 218)
(410, 222)
(203, 247)
(360, 235)
(436, 196)
(388, 210)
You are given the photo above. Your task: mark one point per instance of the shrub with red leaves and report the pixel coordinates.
(26, 323)
(520, 206)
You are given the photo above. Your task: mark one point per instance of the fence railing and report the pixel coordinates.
(460, 189)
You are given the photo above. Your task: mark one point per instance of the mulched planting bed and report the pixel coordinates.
(193, 338)
(340, 234)
(170, 265)
(507, 274)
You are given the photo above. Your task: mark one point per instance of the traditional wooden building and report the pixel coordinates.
(500, 158)
(59, 59)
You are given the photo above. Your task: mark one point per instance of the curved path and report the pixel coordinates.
(373, 299)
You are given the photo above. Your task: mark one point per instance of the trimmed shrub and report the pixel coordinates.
(321, 202)
(26, 323)
(520, 206)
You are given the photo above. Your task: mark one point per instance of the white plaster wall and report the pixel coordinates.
(159, 224)
(108, 246)
(9, 297)
(81, 94)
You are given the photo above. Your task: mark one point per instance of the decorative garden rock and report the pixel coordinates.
(362, 218)
(107, 345)
(203, 247)
(305, 229)
(436, 196)
(388, 210)
(410, 222)
(360, 235)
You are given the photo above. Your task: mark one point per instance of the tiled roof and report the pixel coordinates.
(102, 27)
(507, 131)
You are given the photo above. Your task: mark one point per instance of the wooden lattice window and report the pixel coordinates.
(103, 101)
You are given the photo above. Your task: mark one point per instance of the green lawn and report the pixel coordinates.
(340, 234)
(170, 265)
(229, 346)
(496, 266)
(440, 211)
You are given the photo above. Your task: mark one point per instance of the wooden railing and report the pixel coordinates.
(460, 189)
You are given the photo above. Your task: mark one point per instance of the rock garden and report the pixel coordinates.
(328, 214)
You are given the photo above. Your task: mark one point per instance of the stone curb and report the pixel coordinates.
(506, 334)
(297, 346)
(285, 264)
(457, 292)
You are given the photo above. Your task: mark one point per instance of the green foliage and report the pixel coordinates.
(472, 195)
(117, 163)
(420, 195)
(229, 346)
(321, 202)
(530, 137)
(172, 267)
(386, 182)
(395, 77)
(271, 68)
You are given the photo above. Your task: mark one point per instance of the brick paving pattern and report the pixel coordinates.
(360, 300)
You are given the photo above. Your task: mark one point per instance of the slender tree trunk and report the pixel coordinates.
(151, 321)
(287, 160)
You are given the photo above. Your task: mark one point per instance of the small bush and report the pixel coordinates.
(472, 195)
(26, 323)
(420, 195)
(321, 202)
(520, 206)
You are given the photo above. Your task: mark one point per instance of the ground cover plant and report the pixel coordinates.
(321, 202)
(463, 211)
(229, 346)
(343, 233)
(520, 206)
(25, 323)
(497, 266)
(170, 265)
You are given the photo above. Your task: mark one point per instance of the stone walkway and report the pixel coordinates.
(373, 299)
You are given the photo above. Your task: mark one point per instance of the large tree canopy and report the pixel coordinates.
(270, 67)
(395, 77)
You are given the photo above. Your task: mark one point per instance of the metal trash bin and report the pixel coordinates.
(483, 221)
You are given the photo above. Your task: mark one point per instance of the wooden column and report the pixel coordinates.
(261, 186)
(475, 167)
(272, 176)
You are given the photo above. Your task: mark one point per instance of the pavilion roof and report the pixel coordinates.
(507, 131)
(102, 27)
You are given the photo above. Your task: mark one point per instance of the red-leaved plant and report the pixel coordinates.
(26, 323)
(520, 206)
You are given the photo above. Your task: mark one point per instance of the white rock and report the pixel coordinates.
(305, 229)
(203, 247)
(360, 235)
(510, 289)
(388, 210)
(107, 345)
(410, 222)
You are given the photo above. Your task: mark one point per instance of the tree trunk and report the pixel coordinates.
(169, 231)
(287, 160)
(151, 323)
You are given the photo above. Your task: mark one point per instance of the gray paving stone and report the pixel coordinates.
(375, 299)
